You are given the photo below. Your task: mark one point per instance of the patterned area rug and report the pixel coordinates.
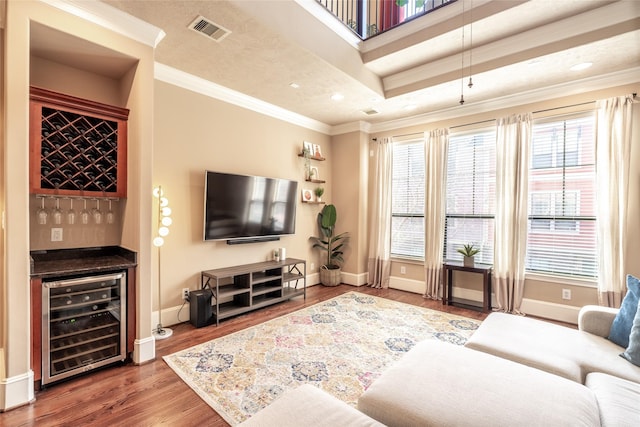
(341, 345)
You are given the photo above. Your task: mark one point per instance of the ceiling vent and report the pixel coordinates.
(370, 112)
(208, 29)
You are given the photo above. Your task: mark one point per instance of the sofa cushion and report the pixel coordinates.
(621, 327)
(618, 399)
(632, 353)
(553, 348)
(309, 406)
(441, 384)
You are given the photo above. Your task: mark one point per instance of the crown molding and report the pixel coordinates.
(574, 87)
(196, 84)
(113, 19)
(359, 126)
(204, 87)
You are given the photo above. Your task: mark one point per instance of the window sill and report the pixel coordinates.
(563, 280)
(407, 260)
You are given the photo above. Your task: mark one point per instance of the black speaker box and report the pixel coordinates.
(200, 312)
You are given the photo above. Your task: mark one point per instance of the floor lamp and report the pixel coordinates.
(164, 221)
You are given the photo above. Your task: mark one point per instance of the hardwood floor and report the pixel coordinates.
(152, 394)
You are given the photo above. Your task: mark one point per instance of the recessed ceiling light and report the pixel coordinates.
(294, 85)
(337, 97)
(582, 66)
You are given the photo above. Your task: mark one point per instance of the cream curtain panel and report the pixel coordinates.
(380, 227)
(512, 176)
(613, 151)
(435, 151)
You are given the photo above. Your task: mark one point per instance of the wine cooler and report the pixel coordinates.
(83, 324)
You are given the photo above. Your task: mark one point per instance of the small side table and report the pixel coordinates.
(484, 269)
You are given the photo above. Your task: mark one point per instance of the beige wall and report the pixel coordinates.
(350, 176)
(545, 291)
(195, 133)
(3, 297)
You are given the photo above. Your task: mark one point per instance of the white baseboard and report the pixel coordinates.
(546, 310)
(550, 310)
(170, 315)
(16, 391)
(409, 285)
(144, 350)
(313, 279)
(355, 279)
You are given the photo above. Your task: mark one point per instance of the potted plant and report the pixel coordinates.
(468, 252)
(331, 244)
(319, 192)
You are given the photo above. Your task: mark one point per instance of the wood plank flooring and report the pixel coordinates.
(152, 394)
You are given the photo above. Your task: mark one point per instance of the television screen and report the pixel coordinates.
(248, 207)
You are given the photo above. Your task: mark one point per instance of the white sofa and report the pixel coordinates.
(554, 348)
(307, 405)
(440, 384)
(513, 371)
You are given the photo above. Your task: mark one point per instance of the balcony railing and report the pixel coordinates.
(367, 18)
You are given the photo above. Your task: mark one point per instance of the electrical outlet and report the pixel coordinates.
(185, 294)
(566, 294)
(403, 269)
(56, 234)
(313, 267)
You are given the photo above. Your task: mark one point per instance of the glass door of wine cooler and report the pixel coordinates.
(83, 324)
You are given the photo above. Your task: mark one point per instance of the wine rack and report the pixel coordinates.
(78, 147)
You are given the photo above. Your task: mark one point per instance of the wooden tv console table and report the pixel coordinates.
(242, 288)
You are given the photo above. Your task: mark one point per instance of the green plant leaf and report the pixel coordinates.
(468, 250)
(329, 216)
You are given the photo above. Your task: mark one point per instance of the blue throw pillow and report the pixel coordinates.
(632, 354)
(621, 326)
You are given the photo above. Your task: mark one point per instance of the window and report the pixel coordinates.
(470, 192)
(550, 205)
(407, 210)
(562, 222)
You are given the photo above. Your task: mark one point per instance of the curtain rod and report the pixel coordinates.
(471, 124)
(564, 106)
(405, 135)
(635, 99)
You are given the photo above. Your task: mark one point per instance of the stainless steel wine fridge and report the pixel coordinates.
(84, 324)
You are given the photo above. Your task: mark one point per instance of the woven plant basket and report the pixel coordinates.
(330, 277)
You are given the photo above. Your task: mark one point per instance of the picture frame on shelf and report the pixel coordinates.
(313, 174)
(307, 195)
(317, 152)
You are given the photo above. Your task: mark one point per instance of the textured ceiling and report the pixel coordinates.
(516, 46)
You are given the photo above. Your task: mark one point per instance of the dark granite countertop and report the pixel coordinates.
(70, 262)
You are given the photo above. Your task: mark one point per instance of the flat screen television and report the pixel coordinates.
(242, 208)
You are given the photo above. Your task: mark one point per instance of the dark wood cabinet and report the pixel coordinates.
(77, 147)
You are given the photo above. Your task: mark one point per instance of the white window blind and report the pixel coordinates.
(471, 182)
(562, 222)
(407, 216)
